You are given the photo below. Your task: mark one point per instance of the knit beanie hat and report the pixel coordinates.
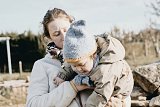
(78, 42)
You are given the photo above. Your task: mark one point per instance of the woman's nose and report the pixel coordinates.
(63, 34)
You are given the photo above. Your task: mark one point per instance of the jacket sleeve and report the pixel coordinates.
(106, 78)
(67, 73)
(38, 91)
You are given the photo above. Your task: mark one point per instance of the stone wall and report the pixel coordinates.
(147, 78)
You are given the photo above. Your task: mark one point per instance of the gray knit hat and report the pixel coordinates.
(78, 42)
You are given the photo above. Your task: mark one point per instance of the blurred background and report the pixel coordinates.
(136, 23)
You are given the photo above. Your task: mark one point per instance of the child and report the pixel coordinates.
(100, 60)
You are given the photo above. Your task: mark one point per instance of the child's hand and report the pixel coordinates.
(83, 80)
(57, 81)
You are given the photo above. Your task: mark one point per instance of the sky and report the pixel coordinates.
(101, 15)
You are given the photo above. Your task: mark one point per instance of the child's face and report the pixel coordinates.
(84, 66)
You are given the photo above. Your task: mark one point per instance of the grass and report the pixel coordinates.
(143, 60)
(14, 76)
(13, 97)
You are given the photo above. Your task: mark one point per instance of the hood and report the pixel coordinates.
(110, 49)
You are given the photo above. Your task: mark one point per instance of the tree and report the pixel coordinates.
(155, 11)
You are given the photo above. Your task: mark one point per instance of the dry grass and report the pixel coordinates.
(10, 96)
(135, 54)
(18, 105)
(14, 76)
(142, 61)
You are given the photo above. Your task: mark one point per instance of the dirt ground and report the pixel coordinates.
(14, 76)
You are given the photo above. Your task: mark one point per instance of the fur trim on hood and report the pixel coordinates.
(111, 49)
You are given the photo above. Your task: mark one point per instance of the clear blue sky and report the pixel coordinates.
(101, 15)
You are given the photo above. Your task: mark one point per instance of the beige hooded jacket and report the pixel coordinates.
(112, 76)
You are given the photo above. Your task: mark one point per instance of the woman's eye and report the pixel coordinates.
(56, 34)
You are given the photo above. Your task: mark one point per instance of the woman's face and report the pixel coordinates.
(57, 30)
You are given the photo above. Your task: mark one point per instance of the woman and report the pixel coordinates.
(42, 91)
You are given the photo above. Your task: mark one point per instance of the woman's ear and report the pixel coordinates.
(47, 40)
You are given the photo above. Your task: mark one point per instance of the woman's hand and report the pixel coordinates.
(57, 80)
